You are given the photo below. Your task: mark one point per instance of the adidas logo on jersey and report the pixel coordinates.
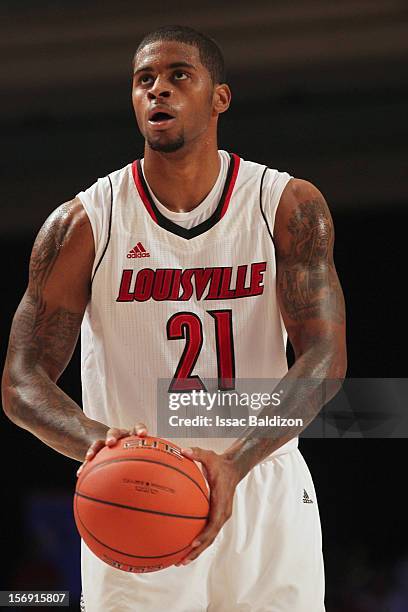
(138, 251)
(306, 498)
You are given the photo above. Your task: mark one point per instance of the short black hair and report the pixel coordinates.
(210, 54)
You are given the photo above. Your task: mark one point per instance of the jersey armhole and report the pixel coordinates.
(278, 188)
(262, 208)
(270, 226)
(109, 232)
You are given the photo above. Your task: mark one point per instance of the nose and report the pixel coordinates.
(159, 89)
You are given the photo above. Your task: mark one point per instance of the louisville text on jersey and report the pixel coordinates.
(181, 285)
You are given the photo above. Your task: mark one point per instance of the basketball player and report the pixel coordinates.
(188, 264)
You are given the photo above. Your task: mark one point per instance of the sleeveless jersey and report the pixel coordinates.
(180, 304)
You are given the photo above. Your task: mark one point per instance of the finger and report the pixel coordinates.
(203, 541)
(90, 453)
(197, 454)
(217, 517)
(196, 551)
(93, 449)
(191, 547)
(206, 537)
(194, 452)
(114, 434)
(81, 467)
(187, 552)
(140, 430)
(197, 547)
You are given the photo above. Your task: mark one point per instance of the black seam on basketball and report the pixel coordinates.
(109, 232)
(136, 509)
(125, 553)
(99, 465)
(199, 229)
(260, 205)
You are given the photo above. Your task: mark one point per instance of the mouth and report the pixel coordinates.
(160, 119)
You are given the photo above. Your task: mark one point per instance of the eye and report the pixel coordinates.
(145, 79)
(180, 75)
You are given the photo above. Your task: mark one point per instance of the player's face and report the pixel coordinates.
(172, 95)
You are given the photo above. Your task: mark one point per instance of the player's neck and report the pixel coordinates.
(181, 180)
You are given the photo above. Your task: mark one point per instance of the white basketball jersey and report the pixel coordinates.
(180, 304)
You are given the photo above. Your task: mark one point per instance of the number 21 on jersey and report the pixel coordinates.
(188, 326)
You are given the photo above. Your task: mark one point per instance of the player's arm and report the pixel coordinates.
(44, 333)
(312, 306)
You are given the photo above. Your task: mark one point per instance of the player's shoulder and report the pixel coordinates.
(299, 190)
(299, 195)
(66, 228)
(70, 215)
(301, 204)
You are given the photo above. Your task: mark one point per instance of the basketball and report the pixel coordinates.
(140, 504)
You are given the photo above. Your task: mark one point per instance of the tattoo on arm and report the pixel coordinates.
(43, 337)
(47, 246)
(46, 340)
(307, 278)
(313, 309)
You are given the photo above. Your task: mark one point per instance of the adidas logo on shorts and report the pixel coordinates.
(306, 498)
(138, 251)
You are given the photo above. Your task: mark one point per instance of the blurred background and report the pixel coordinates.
(319, 90)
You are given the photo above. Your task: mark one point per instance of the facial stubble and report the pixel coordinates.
(167, 147)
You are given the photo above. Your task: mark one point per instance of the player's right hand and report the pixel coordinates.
(112, 436)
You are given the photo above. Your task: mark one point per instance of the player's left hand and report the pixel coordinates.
(222, 477)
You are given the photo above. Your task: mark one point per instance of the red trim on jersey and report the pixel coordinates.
(142, 193)
(169, 225)
(231, 185)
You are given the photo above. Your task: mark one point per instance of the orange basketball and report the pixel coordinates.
(139, 504)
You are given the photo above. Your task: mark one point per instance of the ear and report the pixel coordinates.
(221, 98)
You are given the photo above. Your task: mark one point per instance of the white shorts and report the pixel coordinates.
(266, 558)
